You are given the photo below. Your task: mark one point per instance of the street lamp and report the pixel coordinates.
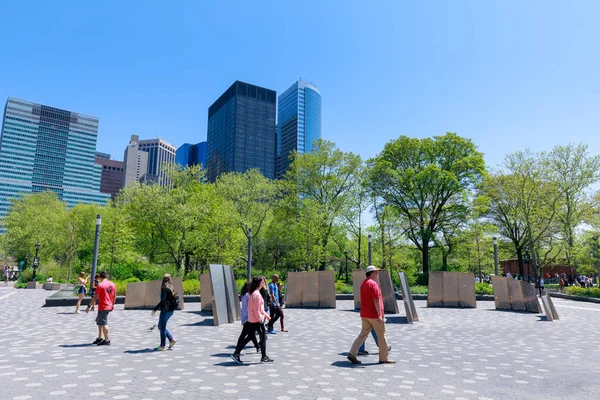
(495, 256)
(370, 250)
(469, 258)
(527, 260)
(36, 261)
(96, 244)
(346, 254)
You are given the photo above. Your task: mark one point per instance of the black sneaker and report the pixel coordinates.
(104, 343)
(353, 359)
(389, 348)
(97, 341)
(363, 353)
(236, 358)
(266, 359)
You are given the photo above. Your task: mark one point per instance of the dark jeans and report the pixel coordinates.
(248, 332)
(275, 313)
(162, 327)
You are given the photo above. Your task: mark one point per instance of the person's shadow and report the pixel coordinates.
(71, 346)
(140, 351)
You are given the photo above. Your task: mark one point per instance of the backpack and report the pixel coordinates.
(173, 301)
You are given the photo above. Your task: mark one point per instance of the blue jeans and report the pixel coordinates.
(162, 327)
(362, 346)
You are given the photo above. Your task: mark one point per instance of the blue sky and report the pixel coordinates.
(508, 74)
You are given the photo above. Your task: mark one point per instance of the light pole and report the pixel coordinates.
(36, 261)
(527, 261)
(370, 250)
(96, 244)
(495, 256)
(346, 254)
(249, 272)
(469, 259)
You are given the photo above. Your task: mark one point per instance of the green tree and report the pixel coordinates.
(117, 236)
(572, 170)
(429, 182)
(319, 185)
(34, 218)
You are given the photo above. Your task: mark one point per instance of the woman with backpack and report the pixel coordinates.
(168, 304)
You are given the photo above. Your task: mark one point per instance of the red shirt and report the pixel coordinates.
(369, 291)
(107, 292)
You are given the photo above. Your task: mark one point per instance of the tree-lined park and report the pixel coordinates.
(427, 204)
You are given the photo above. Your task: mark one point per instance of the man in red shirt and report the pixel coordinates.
(105, 295)
(371, 314)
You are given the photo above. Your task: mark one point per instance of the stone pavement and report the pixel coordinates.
(451, 354)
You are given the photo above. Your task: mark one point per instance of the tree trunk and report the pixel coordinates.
(520, 261)
(444, 260)
(425, 252)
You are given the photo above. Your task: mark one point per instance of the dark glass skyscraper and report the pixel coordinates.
(241, 131)
(299, 122)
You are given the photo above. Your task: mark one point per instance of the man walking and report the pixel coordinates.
(105, 295)
(275, 308)
(371, 314)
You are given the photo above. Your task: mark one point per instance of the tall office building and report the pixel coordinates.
(159, 153)
(191, 154)
(241, 131)
(111, 180)
(298, 122)
(135, 162)
(46, 148)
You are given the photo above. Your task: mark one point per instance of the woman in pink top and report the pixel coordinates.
(256, 316)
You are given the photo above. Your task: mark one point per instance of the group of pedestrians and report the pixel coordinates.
(261, 308)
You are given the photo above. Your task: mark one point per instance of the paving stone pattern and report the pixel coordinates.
(450, 354)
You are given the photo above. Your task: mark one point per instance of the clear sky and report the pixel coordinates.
(508, 74)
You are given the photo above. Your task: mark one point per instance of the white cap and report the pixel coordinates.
(371, 268)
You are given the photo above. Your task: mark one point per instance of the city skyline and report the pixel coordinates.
(397, 68)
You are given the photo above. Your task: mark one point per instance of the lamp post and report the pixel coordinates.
(96, 244)
(249, 272)
(469, 259)
(495, 256)
(36, 261)
(346, 254)
(527, 259)
(370, 250)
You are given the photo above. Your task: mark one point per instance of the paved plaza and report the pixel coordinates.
(472, 354)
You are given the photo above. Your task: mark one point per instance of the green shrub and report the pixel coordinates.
(551, 286)
(121, 288)
(419, 289)
(484, 288)
(587, 292)
(422, 280)
(341, 287)
(191, 286)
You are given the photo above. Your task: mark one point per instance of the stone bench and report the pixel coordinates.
(51, 286)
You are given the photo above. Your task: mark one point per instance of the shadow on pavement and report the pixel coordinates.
(70, 346)
(147, 350)
(396, 320)
(206, 322)
(201, 313)
(348, 364)
(221, 355)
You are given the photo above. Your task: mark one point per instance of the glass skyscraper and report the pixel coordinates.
(241, 131)
(191, 154)
(46, 148)
(298, 122)
(159, 154)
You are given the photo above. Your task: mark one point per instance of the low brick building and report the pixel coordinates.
(512, 266)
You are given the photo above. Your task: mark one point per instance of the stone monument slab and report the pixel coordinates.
(435, 297)
(466, 290)
(450, 292)
(205, 292)
(409, 304)
(516, 295)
